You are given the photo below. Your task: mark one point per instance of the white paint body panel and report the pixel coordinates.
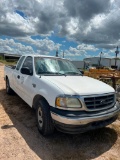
(80, 85)
(52, 86)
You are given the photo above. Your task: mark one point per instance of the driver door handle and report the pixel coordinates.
(18, 76)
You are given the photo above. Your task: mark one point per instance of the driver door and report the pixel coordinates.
(26, 81)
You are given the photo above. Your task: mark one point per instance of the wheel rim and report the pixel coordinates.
(40, 118)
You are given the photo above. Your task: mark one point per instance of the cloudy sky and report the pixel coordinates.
(79, 28)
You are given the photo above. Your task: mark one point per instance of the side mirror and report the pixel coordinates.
(13, 67)
(26, 70)
(82, 72)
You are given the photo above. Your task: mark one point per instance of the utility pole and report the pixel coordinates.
(100, 59)
(116, 53)
(57, 53)
(63, 54)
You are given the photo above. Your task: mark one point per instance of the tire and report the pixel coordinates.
(8, 88)
(44, 120)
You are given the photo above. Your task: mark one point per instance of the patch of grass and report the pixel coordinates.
(7, 62)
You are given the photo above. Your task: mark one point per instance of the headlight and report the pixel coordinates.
(69, 102)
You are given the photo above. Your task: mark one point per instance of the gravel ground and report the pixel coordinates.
(20, 139)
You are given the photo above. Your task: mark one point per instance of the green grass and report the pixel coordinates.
(10, 62)
(7, 63)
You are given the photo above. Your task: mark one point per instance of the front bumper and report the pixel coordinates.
(82, 120)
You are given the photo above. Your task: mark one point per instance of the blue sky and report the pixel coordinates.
(80, 29)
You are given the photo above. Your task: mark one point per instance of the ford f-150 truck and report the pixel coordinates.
(62, 97)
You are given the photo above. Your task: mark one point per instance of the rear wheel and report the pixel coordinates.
(8, 88)
(44, 120)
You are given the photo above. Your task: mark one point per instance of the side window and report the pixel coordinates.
(20, 62)
(28, 63)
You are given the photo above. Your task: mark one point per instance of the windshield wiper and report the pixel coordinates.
(52, 73)
(59, 73)
(73, 73)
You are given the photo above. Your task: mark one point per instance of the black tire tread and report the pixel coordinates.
(48, 127)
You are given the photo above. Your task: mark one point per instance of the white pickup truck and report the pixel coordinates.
(62, 97)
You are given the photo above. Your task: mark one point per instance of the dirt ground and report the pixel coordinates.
(20, 139)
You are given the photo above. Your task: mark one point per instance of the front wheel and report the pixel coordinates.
(44, 120)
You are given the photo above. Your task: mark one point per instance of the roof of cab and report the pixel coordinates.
(37, 55)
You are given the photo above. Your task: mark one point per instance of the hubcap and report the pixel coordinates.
(40, 118)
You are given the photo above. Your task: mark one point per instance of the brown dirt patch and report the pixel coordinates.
(20, 139)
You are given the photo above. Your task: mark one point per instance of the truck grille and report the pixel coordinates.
(99, 102)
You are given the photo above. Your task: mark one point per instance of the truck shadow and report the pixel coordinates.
(59, 146)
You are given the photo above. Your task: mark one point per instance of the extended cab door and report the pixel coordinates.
(16, 75)
(26, 86)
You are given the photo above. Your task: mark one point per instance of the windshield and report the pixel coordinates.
(51, 66)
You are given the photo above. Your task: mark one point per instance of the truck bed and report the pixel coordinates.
(10, 66)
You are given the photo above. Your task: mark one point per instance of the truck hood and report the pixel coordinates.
(79, 85)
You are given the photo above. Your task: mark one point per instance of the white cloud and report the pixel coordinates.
(72, 25)
(79, 51)
(44, 46)
(85, 47)
(73, 53)
(12, 23)
(108, 54)
(10, 46)
(41, 44)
